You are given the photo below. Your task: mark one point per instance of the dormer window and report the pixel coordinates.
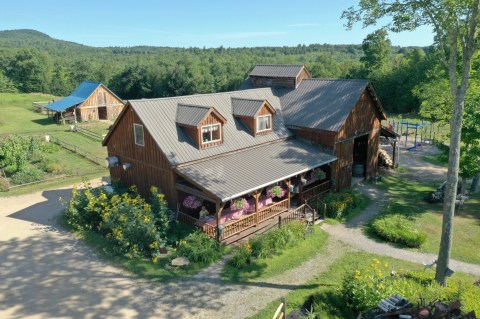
(264, 123)
(211, 133)
(204, 124)
(256, 115)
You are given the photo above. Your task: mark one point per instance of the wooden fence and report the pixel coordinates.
(74, 148)
(316, 191)
(281, 312)
(88, 133)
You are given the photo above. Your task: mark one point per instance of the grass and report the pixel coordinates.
(436, 159)
(18, 117)
(406, 197)
(288, 259)
(324, 290)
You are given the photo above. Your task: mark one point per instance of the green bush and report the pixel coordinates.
(27, 174)
(397, 228)
(133, 226)
(271, 243)
(242, 256)
(198, 247)
(339, 205)
(4, 185)
(363, 288)
(54, 168)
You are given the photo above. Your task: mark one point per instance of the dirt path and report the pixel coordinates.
(45, 272)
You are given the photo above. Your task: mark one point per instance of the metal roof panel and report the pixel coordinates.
(277, 70)
(268, 164)
(65, 103)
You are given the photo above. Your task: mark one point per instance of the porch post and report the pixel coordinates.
(394, 153)
(300, 188)
(288, 182)
(257, 197)
(219, 207)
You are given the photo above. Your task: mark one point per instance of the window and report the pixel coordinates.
(211, 133)
(264, 123)
(138, 131)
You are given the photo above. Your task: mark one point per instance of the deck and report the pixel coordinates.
(233, 231)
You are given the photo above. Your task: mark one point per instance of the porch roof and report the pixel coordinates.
(243, 172)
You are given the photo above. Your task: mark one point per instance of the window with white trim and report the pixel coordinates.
(211, 133)
(264, 123)
(138, 132)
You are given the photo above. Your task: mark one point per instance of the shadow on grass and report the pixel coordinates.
(47, 121)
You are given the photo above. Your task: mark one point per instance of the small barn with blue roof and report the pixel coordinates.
(91, 101)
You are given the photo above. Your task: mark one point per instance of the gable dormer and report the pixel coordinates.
(278, 75)
(257, 115)
(204, 124)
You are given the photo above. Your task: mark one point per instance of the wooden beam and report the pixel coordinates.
(257, 197)
(219, 207)
(193, 191)
(288, 182)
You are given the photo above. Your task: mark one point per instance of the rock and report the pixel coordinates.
(179, 262)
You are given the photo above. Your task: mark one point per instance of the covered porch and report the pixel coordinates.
(246, 192)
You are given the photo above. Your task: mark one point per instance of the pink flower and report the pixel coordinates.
(192, 201)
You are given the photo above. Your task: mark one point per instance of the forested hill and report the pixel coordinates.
(31, 61)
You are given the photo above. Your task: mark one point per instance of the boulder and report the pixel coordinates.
(179, 262)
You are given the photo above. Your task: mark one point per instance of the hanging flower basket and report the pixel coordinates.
(319, 174)
(275, 191)
(192, 202)
(240, 203)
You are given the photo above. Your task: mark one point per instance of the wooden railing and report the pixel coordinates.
(272, 210)
(316, 190)
(210, 230)
(296, 214)
(186, 219)
(238, 226)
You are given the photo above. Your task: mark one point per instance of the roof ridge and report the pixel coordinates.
(247, 99)
(194, 105)
(282, 65)
(335, 80)
(201, 94)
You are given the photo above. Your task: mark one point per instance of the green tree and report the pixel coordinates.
(377, 50)
(31, 71)
(6, 85)
(455, 24)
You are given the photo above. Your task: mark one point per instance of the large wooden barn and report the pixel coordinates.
(229, 162)
(91, 101)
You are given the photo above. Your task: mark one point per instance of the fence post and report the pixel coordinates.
(279, 221)
(324, 211)
(284, 308)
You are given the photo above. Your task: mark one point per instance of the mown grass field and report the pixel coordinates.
(406, 197)
(17, 116)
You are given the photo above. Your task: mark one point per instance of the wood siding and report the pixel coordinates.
(89, 109)
(303, 75)
(362, 120)
(274, 82)
(149, 167)
(210, 119)
(323, 138)
(263, 111)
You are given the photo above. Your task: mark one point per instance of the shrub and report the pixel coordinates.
(134, 227)
(397, 228)
(363, 288)
(54, 168)
(339, 205)
(4, 185)
(28, 174)
(242, 256)
(271, 243)
(198, 247)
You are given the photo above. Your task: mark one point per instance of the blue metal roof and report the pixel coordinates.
(85, 89)
(81, 93)
(65, 103)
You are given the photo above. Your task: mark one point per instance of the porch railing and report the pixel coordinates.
(186, 219)
(238, 226)
(272, 210)
(316, 190)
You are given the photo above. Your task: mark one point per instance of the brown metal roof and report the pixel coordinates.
(321, 103)
(267, 164)
(277, 70)
(191, 114)
(246, 107)
(159, 117)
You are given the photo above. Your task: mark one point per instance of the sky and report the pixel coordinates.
(189, 23)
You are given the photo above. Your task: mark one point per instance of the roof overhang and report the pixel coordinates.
(241, 173)
(65, 103)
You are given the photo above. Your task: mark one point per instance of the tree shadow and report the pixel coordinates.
(45, 121)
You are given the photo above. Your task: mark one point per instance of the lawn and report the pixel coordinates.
(406, 197)
(18, 117)
(323, 293)
(287, 259)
